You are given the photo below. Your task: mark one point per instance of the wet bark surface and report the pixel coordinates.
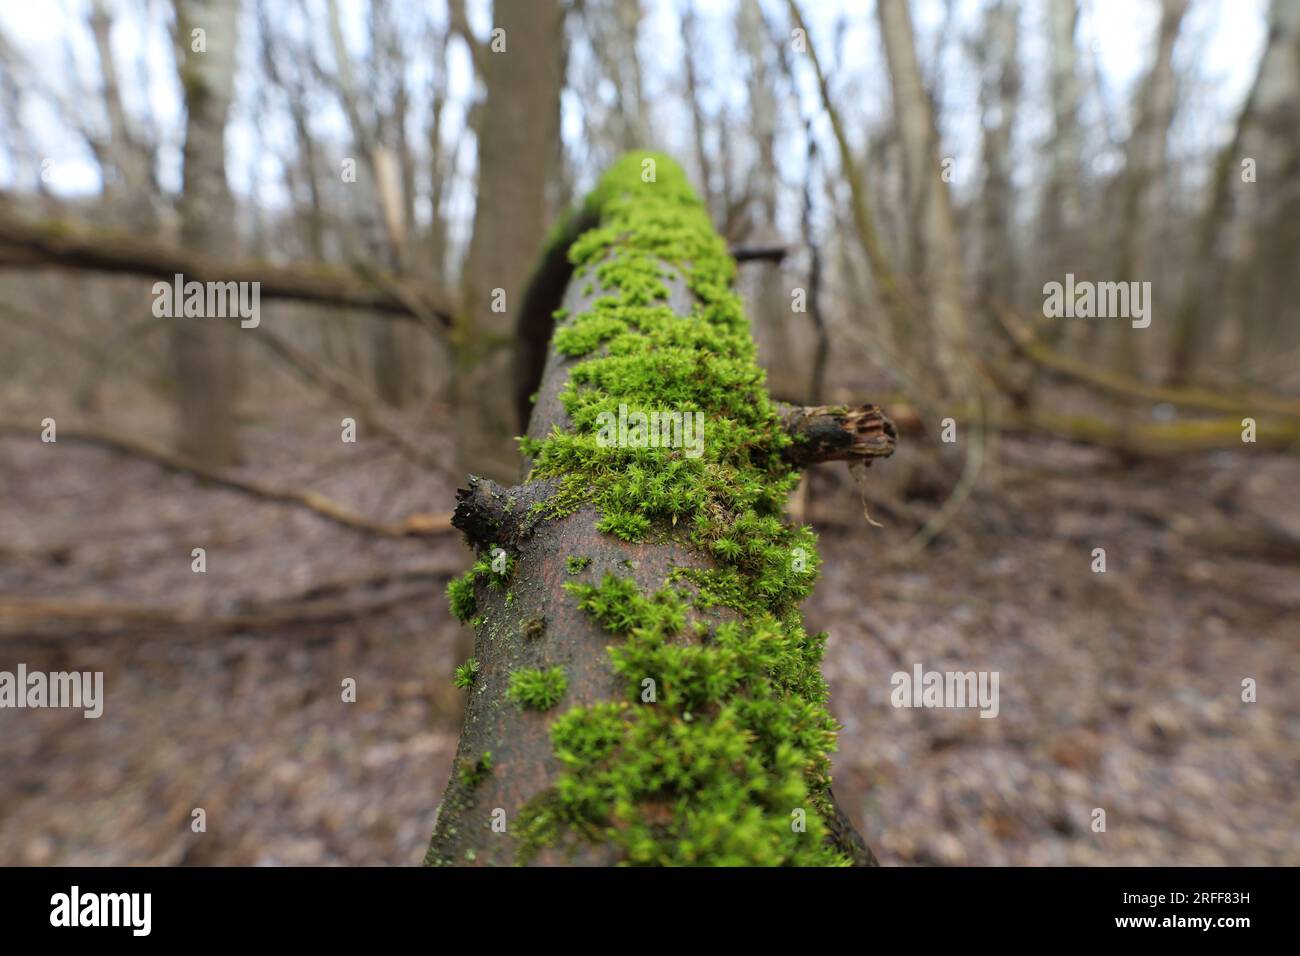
(539, 626)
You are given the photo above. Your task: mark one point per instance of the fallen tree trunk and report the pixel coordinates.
(26, 244)
(643, 690)
(1115, 383)
(1138, 439)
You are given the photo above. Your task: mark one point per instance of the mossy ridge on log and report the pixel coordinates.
(705, 739)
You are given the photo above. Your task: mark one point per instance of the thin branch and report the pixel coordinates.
(343, 391)
(939, 521)
(882, 270)
(418, 525)
(458, 23)
(771, 253)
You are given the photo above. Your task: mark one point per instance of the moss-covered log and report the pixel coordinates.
(642, 688)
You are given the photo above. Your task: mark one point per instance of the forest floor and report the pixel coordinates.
(1119, 691)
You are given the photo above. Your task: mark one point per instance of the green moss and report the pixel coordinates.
(577, 340)
(629, 527)
(538, 826)
(737, 734)
(460, 596)
(466, 673)
(495, 567)
(472, 773)
(576, 565)
(534, 689)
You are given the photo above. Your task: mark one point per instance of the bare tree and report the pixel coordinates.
(1062, 209)
(204, 350)
(379, 136)
(772, 310)
(929, 202)
(997, 51)
(1143, 193)
(1265, 285)
(1263, 135)
(518, 130)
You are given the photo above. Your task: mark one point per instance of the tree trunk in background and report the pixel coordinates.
(1060, 246)
(518, 151)
(1266, 298)
(938, 274)
(771, 307)
(1000, 97)
(203, 349)
(1266, 134)
(1144, 196)
(440, 167)
(1062, 207)
(1145, 192)
(886, 284)
(382, 199)
(390, 364)
(130, 191)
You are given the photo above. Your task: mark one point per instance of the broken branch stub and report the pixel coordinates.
(837, 433)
